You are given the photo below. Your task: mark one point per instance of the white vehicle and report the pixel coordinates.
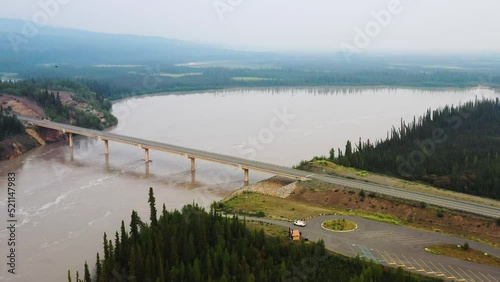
(299, 223)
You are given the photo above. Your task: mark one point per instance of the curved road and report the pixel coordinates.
(399, 247)
(271, 168)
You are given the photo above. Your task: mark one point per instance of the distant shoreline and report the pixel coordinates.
(357, 87)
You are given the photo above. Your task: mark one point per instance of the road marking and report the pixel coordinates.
(356, 254)
(383, 258)
(437, 270)
(400, 261)
(472, 279)
(492, 277)
(391, 263)
(411, 265)
(421, 269)
(457, 274)
(461, 275)
(485, 277)
(475, 275)
(426, 265)
(448, 274)
(367, 252)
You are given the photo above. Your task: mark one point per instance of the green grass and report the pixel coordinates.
(380, 217)
(269, 229)
(255, 204)
(249, 203)
(362, 173)
(339, 225)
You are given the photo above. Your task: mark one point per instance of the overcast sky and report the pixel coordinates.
(286, 25)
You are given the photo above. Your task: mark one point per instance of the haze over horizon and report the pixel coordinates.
(284, 25)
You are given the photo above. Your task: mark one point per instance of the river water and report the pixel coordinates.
(66, 199)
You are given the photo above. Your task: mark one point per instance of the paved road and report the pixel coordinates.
(398, 246)
(272, 168)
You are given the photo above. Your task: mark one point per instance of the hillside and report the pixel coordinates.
(456, 148)
(59, 100)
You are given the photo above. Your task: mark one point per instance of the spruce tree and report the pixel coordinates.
(86, 277)
(152, 208)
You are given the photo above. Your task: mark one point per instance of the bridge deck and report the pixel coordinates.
(270, 168)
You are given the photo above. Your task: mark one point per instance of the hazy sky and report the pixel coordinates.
(294, 25)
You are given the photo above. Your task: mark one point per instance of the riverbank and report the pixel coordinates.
(16, 145)
(313, 198)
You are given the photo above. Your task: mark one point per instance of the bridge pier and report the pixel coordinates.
(106, 161)
(246, 175)
(70, 135)
(193, 164)
(106, 147)
(193, 177)
(146, 150)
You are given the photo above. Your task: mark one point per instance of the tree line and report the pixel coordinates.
(195, 245)
(9, 124)
(455, 148)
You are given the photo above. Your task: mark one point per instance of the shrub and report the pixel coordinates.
(465, 246)
(362, 194)
(440, 213)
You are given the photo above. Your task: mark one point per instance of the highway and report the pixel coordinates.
(271, 168)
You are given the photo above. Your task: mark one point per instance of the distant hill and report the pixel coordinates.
(52, 45)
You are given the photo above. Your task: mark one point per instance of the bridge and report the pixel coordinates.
(247, 165)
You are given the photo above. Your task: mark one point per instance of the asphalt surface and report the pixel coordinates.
(272, 168)
(398, 246)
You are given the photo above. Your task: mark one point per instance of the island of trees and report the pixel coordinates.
(195, 245)
(456, 148)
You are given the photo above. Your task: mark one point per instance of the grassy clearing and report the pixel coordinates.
(179, 75)
(269, 229)
(339, 225)
(468, 255)
(326, 166)
(260, 205)
(272, 207)
(362, 173)
(250, 78)
(381, 217)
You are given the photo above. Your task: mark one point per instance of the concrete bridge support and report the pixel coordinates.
(193, 164)
(106, 147)
(70, 135)
(146, 150)
(193, 177)
(247, 178)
